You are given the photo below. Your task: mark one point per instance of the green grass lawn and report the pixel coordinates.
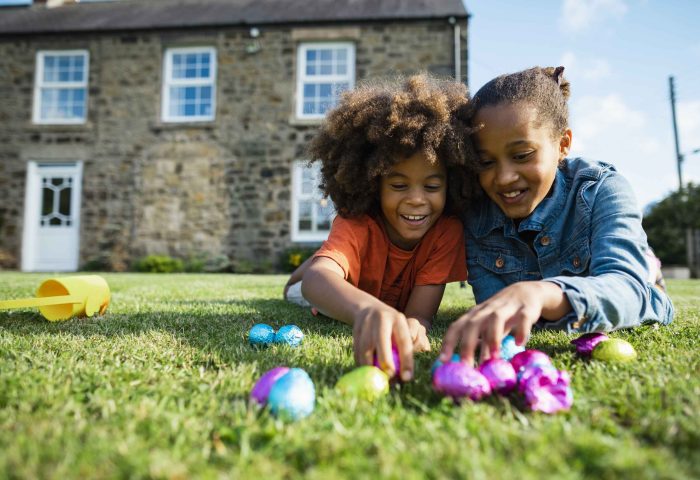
(158, 388)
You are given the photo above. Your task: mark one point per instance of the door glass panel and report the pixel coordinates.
(46, 200)
(64, 203)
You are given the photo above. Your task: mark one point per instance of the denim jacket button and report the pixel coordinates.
(545, 240)
(500, 262)
(577, 262)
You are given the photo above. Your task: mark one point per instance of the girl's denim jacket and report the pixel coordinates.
(586, 236)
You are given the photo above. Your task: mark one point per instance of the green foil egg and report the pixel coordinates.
(368, 383)
(614, 350)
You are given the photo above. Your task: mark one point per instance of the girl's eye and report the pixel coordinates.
(519, 157)
(485, 163)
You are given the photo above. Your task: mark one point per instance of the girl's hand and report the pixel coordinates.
(515, 309)
(419, 335)
(373, 331)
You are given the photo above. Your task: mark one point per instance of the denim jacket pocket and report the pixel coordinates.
(575, 260)
(498, 262)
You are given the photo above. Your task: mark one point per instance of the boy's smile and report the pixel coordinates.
(412, 197)
(519, 157)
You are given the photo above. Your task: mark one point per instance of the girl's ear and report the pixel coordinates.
(565, 144)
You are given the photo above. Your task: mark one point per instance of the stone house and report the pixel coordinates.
(178, 127)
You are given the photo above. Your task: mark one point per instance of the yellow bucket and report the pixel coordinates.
(67, 297)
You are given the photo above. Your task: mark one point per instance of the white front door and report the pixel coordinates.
(51, 238)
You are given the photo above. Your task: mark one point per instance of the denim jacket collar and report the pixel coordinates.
(490, 216)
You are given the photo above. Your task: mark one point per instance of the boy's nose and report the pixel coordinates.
(416, 195)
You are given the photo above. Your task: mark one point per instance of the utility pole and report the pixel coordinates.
(679, 155)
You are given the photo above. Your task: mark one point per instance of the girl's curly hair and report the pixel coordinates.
(380, 123)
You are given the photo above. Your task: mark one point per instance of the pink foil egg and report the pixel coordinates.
(587, 342)
(547, 390)
(261, 390)
(458, 380)
(395, 357)
(529, 357)
(500, 375)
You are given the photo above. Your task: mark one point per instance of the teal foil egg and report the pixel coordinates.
(290, 335)
(293, 396)
(261, 335)
(509, 348)
(437, 363)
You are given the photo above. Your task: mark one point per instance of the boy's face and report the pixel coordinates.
(518, 156)
(412, 196)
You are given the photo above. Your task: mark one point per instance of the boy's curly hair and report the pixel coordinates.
(380, 123)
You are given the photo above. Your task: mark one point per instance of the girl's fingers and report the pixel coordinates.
(404, 343)
(468, 342)
(449, 343)
(383, 346)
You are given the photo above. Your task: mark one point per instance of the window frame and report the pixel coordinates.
(40, 85)
(302, 77)
(168, 82)
(314, 235)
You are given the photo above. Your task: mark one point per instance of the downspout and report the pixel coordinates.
(456, 41)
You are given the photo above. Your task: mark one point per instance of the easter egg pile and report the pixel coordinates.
(601, 347)
(288, 392)
(262, 335)
(530, 373)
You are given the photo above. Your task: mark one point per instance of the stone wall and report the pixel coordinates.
(216, 188)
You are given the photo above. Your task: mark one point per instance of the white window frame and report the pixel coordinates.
(313, 235)
(303, 78)
(168, 82)
(40, 84)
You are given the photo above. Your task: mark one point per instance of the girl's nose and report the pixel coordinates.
(505, 174)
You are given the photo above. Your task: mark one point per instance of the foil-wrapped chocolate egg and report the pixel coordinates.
(614, 350)
(262, 387)
(509, 348)
(437, 363)
(546, 389)
(290, 335)
(293, 395)
(261, 335)
(500, 375)
(529, 357)
(459, 380)
(587, 342)
(367, 382)
(395, 357)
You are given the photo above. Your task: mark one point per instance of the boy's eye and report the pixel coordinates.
(398, 186)
(433, 187)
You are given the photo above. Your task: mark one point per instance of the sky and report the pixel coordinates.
(618, 56)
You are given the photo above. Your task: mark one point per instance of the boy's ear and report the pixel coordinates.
(565, 144)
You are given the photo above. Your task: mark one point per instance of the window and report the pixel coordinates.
(312, 214)
(60, 87)
(189, 84)
(324, 70)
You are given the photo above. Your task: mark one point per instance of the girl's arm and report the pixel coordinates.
(420, 310)
(374, 322)
(297, 275)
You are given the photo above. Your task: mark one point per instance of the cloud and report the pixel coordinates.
(578, 15)
(689, 125)
(584, 69)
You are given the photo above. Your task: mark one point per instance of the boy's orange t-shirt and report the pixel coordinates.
(373, 264)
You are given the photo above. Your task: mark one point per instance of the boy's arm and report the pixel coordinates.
(420, 310)
(374, 322)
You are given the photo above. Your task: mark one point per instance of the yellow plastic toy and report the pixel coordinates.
(67, 297)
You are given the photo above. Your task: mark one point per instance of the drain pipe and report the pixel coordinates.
(456, 41)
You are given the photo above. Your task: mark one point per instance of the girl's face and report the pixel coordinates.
(412, 197)
(519, 157)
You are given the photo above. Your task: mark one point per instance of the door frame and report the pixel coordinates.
(32, 208)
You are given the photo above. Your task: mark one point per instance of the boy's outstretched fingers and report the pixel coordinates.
(383, 345)
(404, 344)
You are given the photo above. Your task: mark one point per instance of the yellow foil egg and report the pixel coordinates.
(367, 383)
(614, 350)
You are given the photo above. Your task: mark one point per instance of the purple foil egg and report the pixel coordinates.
(529, 371)
(547, 390)
(500, 375)
(529, 357)
(458, 380)
(394, 356)
(587, 342)
(262, 387)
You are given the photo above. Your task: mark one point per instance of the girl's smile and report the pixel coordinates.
(519, 157)
(412, 197)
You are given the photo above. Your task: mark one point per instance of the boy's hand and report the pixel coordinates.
(515, 309)
(373, 331)
(419, 335)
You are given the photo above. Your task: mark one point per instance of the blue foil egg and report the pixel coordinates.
(289, 334)
(509, 348)
(293, 396)
(437, 363)
(261, 335)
